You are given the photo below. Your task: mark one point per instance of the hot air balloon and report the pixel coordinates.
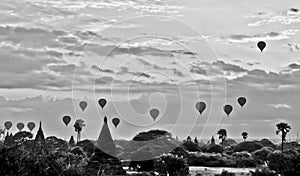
(242, 101)
(154, 113)
(116, 121)
(67, 120)
(20, 126)
(200, 106)
(102, 102)
(261, 45)
(83, 105)
(30, 125)
(228, 109)
(8, 125)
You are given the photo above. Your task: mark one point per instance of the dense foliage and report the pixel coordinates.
(163, 155)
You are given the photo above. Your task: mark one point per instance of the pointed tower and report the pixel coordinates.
(212, 141)
(105, 142)
(72, 142)
(8, 140)
(39, 146)
(104, 154)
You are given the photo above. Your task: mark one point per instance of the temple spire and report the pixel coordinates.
(39, 141)
(105, 141)
(105, 120)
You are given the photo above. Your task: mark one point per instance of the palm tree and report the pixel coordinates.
(282, 128)
(79, 124)
(245, 135)
(222, 135)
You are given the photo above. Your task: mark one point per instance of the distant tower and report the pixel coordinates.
(212, 141)
(189, 139)
(72, 142)
(8, 140)
(196, 140)
(39, 146)
(177, 138)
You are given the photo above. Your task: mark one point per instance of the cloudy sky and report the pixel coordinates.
(138, 54)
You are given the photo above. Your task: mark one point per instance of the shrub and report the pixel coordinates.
(263, 171)
(267, 143)
(287, 164)
(179, 151)
(248, 146)
(226, 173)
(215, 149)
(261, 155)
(172, 165)
(191, 146)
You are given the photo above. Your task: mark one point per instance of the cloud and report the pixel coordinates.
(177, 72)
(253, 63)
(287, 17)
(280, 106)
(293, 46)
(228, 67)
(294, 66)
(241, 38)
(19, 110)
(198, 70)
(95, 67)
(237, 61)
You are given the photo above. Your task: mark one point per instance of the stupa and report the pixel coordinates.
(103, 158)
(39, 145)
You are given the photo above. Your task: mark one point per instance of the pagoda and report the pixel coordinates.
(103, 157)
(39, 145)
(212, 141)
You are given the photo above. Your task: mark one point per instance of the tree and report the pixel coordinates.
(244, 135)
(191, 146)
(151, 135)
(282, 128)
(171, 165)
(79, 124)
(222, 135)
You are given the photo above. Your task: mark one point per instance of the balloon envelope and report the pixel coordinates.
(30, 125)
(102, 102)
(200, 106)
(83, 105)
(154, 113)
(66, 120)
(116, 121)
(8, 125)
(228, 109)
(261, 45)
(20, 126)
(242, 101)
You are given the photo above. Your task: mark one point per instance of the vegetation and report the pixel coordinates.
(79, 124)
(222, 135)
(282, 128)
(151, 135)
(149, 152)
(244, 135)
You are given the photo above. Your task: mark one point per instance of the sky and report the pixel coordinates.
(139, 55)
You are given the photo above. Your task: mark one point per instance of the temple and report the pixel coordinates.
(39, 146)
(212, 141)
(105, 152)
